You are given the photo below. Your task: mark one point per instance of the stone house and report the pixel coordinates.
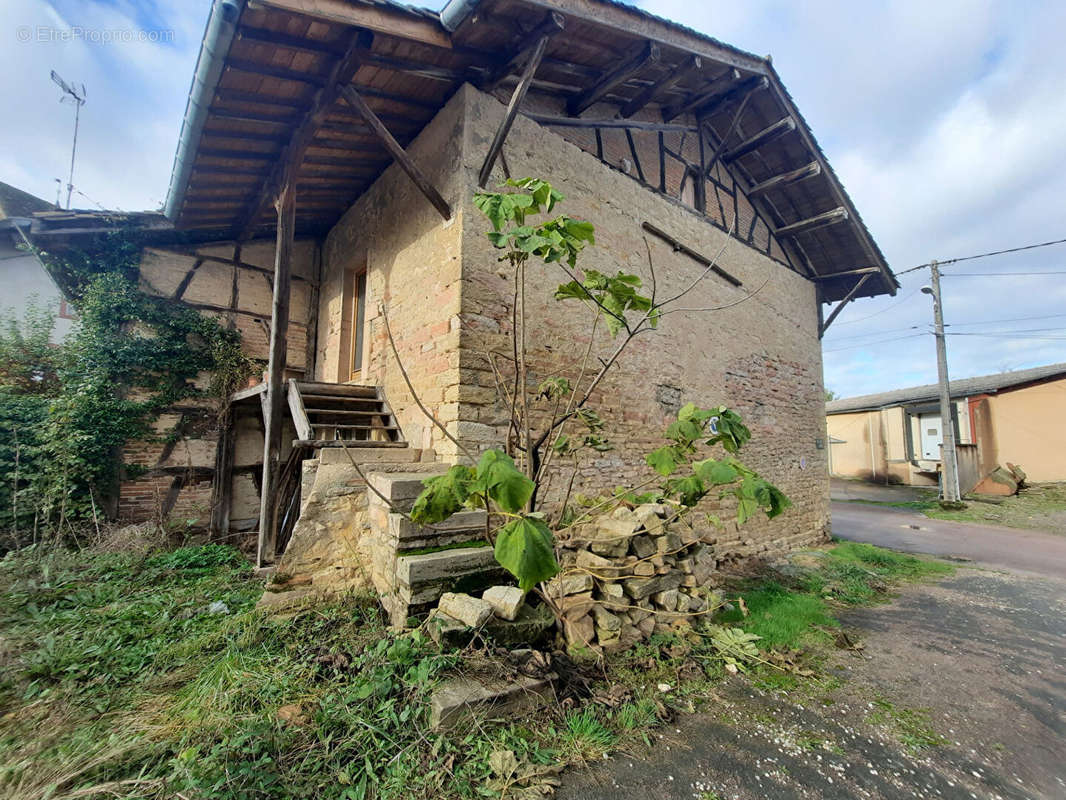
(325, 171)
(896, 436)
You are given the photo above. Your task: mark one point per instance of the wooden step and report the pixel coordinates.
(337, 412)
(337, 390)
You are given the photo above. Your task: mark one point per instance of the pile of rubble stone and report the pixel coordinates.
(632, 573)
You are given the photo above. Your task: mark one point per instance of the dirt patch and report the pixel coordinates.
(959, 695)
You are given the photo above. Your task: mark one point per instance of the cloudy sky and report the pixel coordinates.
(945, 120)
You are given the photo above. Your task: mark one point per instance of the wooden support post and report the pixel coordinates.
(690, 66)
(662, 163)
(222, 490)
(636, 156)
(757, 140)
(784, 179)
(648, 54)
(553, 24)
(275, 394)
(840, 306)
(517, 96)
(358, 104)
(818, 221)
(699, 181)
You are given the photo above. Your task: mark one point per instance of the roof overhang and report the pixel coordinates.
(265, 94)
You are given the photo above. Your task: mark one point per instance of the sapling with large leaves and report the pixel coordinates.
(556, 420)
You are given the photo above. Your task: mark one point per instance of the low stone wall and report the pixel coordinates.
(634, 572)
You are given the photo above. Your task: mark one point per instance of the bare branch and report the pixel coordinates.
(725, 305)
(411, 388)
(707, 271)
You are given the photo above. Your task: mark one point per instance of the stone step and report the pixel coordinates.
(462, 527)
(425, 577)
(369, 455)
(401, 488)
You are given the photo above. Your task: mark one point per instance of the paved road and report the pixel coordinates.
(1029, 552)
(977, 659)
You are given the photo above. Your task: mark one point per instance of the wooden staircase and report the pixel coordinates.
(325, 413)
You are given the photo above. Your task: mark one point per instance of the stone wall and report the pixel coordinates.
(412, 261)
(233, 283)
(761, 355)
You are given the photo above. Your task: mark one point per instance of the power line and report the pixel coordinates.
(871, 344)
(882, 311)
(984, 255)
(1013, 319)
(997, 274)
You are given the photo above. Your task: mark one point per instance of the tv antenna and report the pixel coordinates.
(70, 94)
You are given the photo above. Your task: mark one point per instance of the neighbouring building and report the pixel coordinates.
(1009, 417)
(356, 133)
(21, 274)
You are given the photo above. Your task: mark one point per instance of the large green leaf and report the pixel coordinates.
(444, 495)
(690, 489)
(498, 477)
(664, 460)
(524, 548)
(716, 473)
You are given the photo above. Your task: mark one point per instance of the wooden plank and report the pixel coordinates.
(648, 54)
(689, 66)
(785, 179)
(342, 71)
(553, 24)
(583, 122)
(299, 413)
(697, 99)
(259, 69)
(832, 276)
(251, 391)
(354, 99)
(839, 214)
(379, 17)
(757, 140)
(699, 258)
(517, 96)
(301, 44)
(222, 480)
(317, 388)
(840, 306)
(273, 399)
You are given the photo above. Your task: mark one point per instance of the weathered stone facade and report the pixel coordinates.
(448, 305)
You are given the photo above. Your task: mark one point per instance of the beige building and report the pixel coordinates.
(370, 126)
(896, 437)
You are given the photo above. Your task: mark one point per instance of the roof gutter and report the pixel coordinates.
(221, 28)
(453, 14)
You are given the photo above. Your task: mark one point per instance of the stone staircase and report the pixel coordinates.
(346, 539)
(413, 565)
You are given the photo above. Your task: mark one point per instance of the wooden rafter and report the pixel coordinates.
(717, 100)
(517, 96)
(648, 54)
(353, 98)
(553, 24)
(847, 299)
(584, 122)
(690, 66)
(811, 223)
(342, 71)
(757, 140)
(697, 99)
(785, 179)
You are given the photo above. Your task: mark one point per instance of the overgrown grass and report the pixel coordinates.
(1037, 507)
(132, 677)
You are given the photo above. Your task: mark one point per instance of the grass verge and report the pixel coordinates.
(126, 676)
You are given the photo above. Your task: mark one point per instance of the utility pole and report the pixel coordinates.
(949, 492)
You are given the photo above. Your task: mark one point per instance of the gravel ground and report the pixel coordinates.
(960, 692)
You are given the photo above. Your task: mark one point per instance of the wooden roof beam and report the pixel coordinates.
(288, 162)
(690, 66)
(839, 214)
(633, 124)
(273, 71)
(648, 54)
(289, 42)
(552, 24)
(379, 17)
(847, 299)
(352, 97)
(697, 99)
(832, 276)
(785, 179)
(716, 101)
(757, 140)
(517, 96)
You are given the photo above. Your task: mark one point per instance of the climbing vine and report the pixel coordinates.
(130, 356)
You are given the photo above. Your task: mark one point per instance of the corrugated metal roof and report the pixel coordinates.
(964, 387)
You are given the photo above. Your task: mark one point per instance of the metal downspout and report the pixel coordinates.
(453, 14)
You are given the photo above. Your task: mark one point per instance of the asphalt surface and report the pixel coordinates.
(1023, 551)
(976, 660)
